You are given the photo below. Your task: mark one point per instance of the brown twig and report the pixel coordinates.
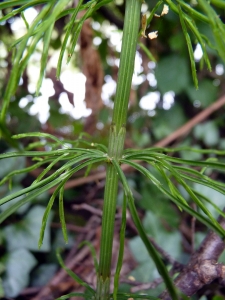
(202, 268)
(186, 128)
(93, 210)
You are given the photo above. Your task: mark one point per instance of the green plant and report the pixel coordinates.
(73, 158)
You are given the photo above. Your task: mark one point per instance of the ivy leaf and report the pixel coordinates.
(17, 271)
(208, 132)
(13, 163)
(172, 74)
(25, 234)
(205, 95)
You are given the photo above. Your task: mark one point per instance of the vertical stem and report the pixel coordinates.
(116, 142)
(127, 57)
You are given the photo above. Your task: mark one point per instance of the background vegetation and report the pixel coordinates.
(163, 103)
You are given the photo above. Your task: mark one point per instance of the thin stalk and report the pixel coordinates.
(116, 142)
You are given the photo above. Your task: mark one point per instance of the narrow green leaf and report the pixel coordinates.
(192, 12)
(25, 21)
(68, 32)
(72, 274)
(220, 212)
(78, 30)
(219, 38)
(160, 2)
(24, 170)
(121, 249)
(189, 149)
(216, 25)
(190, 22)
(193, 196)
(65, 178)
(101, 149)
(147, 52)
(68, 296)
(28, 189)
(152, 252)
(40, 135)
(208, 42)
(87, 170)
(14, 77)
(93, 253)
(31, 196)
(84, 7)
(40, 27)
(44, 57)
(208, 164)
(216, 227)
(218, 3)
(11, 4)
(35, 145)
(72, 151)
(48, 209)
(210, 184)
(148, 155)
(125, 296)
(58, 174)
(62, 215)
(173, 189)
(190, 49)
(24, 61)
(46, 170)
(143, 170)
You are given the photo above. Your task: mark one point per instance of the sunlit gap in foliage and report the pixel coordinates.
(149, 102)
(198, 53)
(108, 90)
(17, 24)
(72, 83)
(219, 69)
(109, 87)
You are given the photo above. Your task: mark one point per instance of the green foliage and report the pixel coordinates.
(205, 95)
(17, 271)
(175, 178)
(178, 77)
(208, 133)
(175, 118)
(141, 273)
(74, 276)
(121, 250)
(43, 273)
(25, 232)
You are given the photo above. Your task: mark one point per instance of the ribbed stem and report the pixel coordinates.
(116, 142)
(109, 208)
(127, 57)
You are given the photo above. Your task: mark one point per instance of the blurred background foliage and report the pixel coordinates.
(162, 99)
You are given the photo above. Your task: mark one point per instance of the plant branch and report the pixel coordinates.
(116, 143)
(180, 132)
(203, 267)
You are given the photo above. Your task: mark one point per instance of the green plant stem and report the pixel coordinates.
(116, 142)
(127, 57)
(218, 3)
